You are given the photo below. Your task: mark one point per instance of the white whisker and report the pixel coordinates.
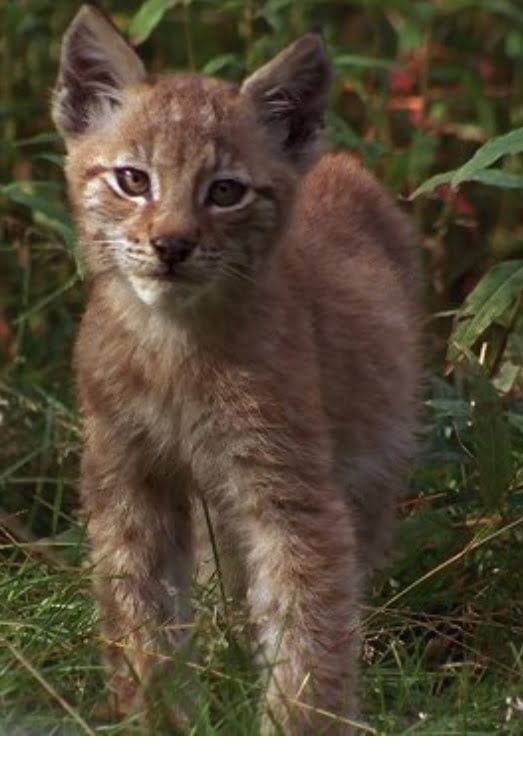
(233, 272)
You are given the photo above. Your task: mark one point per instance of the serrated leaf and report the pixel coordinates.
(493, 296)
(490, 438)
(148, 16)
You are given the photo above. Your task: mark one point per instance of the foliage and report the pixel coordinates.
(477, 168)
(422, 88)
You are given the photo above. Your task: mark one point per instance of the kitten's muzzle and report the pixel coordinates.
(172, 249)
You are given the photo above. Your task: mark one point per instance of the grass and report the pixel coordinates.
(443, 625)
(441, 667)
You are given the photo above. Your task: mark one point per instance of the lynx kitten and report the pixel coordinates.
(251, 340)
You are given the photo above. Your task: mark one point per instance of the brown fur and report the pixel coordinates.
(277, 381)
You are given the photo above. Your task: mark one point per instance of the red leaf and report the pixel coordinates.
(401, 80)
(487, 69)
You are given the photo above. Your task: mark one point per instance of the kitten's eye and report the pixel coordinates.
(226, 192)
(133, 182)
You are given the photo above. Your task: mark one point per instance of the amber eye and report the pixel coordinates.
(226, 192)
(133, 182)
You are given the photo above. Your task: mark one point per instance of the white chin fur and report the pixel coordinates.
(148, 289)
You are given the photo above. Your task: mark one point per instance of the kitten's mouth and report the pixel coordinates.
(161, 274)
(169, 275)
(153, 287)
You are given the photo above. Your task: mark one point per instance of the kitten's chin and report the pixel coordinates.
(163, 292)
(151, 290)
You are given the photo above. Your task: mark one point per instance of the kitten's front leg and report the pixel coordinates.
(303, 596)
(142, 555)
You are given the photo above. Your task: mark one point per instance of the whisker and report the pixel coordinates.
(238, 274)
(109, 242)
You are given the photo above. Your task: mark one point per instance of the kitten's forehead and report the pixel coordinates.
(204, 105)
(178, 118)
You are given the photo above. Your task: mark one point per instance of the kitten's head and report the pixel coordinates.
(182, 184)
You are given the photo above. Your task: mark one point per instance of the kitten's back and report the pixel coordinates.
(351, 261)
(343, 209)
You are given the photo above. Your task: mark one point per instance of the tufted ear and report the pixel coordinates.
(290, 93)
(96, 64)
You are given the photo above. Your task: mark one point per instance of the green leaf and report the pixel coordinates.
(224, 62)
(432, 183)
(490, 438)
(58, 160)
(361, 61)
(493, 296)
(339, 132)
(40, 138)
(476, 168)
(498, 178)
(147, 18)
(410, 36)
(43, 201)
(508, 144)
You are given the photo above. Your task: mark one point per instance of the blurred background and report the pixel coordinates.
(429, 95)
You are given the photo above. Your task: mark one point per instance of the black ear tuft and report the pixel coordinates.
(290, 93)
(96, 64)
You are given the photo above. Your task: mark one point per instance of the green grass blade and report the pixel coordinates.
(493, 296)
(490, 439)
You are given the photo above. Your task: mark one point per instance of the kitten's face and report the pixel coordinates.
(182, 184)
(173, 192)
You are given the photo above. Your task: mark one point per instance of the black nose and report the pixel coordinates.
(172, 249)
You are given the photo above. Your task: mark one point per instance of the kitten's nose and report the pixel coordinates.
(172, 249)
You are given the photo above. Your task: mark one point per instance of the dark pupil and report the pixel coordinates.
(226, 192)
(134, 178)
(133, 181)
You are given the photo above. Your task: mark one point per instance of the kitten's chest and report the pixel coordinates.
(191, 409)
(175, 403)
(168, 406)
